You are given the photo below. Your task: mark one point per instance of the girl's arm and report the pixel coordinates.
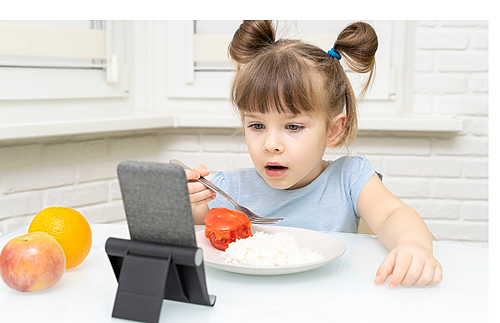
(199, 194)
(404, 233)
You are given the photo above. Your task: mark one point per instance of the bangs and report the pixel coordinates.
(283, 83)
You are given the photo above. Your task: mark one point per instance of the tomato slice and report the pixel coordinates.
(223, 226)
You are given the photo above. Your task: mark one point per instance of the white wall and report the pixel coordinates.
(443, 176)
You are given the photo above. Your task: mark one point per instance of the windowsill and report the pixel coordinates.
(77, 122)
(30, 126)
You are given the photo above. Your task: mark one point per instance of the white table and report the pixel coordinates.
(341, 291)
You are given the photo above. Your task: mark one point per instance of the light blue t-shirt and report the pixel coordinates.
(329, 203)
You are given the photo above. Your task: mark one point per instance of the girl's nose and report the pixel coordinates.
(272, 144)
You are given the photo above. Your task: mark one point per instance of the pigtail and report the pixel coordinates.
(357, 44)
(250, 39)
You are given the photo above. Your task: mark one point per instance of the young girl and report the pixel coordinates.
(295, 100)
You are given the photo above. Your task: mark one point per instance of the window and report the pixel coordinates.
(199, 67)
(62, 60)
(195, 88)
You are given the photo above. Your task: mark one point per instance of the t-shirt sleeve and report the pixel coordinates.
(219, 179)
(360, 171)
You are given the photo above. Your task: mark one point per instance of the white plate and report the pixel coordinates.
(326, 245)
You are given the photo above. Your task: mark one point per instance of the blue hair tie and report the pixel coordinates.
(334, 53)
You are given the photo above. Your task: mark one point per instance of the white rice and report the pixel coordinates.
(264, 249)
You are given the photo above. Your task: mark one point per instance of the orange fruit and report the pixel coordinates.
(69, 227)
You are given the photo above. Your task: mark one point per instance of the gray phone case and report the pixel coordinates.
(156, 202)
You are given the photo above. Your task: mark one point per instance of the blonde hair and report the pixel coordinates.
(291, 76)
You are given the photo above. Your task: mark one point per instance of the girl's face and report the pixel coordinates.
(286, 149)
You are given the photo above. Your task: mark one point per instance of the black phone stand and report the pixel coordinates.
(149, 272)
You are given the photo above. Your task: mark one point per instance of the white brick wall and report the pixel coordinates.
(76, 173)
(443, 176)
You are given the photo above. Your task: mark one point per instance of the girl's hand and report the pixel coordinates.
(199, 194)
(410, 265)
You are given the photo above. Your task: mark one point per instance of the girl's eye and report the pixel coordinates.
(256, 126)
(294, 127)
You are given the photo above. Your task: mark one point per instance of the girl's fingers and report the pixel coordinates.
(431, 275)
(438, 276)
(385, 269)
(403, 262)
(191, 175)
(195, 187)
(409, 266)
(201, 170)
(426, 277)
(414, 272)
(195, 173)
(199, 194)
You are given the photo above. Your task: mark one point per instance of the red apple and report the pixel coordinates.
(32, 262)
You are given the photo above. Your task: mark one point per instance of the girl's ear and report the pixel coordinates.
(336, 129)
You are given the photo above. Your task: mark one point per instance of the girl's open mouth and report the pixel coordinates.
(275, 170)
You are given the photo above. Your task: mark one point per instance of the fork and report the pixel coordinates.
(254, 218)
